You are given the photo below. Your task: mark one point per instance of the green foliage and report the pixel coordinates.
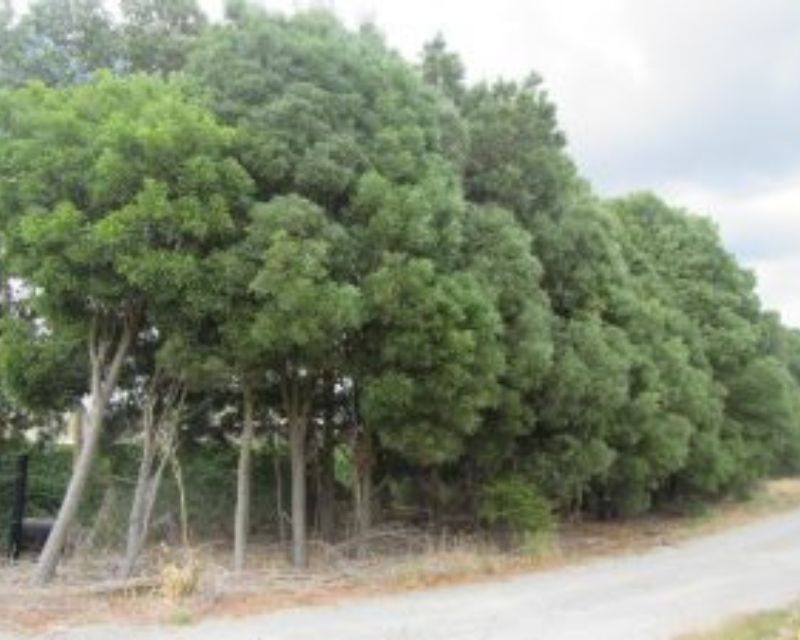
(115, 192)
(303, 212)
(58, 43)
(516, 505)
(304, 310)
(116, 175)
(38, 369)
(158, 35)
(64, 43)
(437, 361)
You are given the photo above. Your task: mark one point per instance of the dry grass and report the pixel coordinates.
(771, 625)
(180, 589)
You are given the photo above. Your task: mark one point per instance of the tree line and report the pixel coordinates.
(276, 229)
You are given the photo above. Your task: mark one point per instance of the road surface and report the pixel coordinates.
(658, 594)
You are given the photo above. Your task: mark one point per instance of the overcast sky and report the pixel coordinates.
(698, 100)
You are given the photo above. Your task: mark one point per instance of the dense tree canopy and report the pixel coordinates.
(386, 264)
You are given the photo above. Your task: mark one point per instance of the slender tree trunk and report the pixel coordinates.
(48, 560)
(136, 544)
(164, 424)
(296, 396)
(363, 489)
(326, 495)
(297, 446)
(363, 510)
(136, 520)
(101, 393)
(75, 422)
(177, 472)
(278, 472)
(242, 521)
(327, 488)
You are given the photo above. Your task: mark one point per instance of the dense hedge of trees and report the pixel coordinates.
(275, 232)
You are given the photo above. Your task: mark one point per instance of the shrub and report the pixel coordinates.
(515, 507)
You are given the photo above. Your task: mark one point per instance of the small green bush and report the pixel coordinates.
(515, 507)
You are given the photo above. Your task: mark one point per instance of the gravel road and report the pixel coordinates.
(657, 594)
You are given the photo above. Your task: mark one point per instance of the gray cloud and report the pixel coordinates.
(722, 95)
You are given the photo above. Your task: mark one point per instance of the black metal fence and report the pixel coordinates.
(209, 474)
(30, 495)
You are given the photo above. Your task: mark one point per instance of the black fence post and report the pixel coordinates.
(18, 507)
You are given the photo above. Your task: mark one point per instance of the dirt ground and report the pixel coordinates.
(400, 560)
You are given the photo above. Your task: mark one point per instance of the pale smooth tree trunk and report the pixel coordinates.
(296, 393)
(277, 470)
(326, 494)
(104, 377)
(148, 481)
(297, 446)
(297, 404)
(137, 519)
(141, 515)
(75, 426)
(242, 518)
(177, 473)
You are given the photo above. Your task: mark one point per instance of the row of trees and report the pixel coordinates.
(282, 220)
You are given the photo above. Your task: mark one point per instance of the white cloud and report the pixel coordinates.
(778, 280)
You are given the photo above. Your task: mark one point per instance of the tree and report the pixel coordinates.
(305, 313)
(62, 43)
(117, 186)
(158, 35)
(59, 43)
(717, 299)
(347, 127)
(162, 405)
(427, 360)
(443, 69)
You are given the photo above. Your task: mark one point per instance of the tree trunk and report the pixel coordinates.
(242, 521)
(363, 489)
(75, 425)
(102, 387)
(363, 508)
(326, 495)
(137, 518)
(164, 424)
(144, 516)
(177, 473)
(278, 472)
(327, 488)
(297, 446)
(48, 560)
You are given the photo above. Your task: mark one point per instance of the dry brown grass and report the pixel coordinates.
(179, 589)
(769, 625)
